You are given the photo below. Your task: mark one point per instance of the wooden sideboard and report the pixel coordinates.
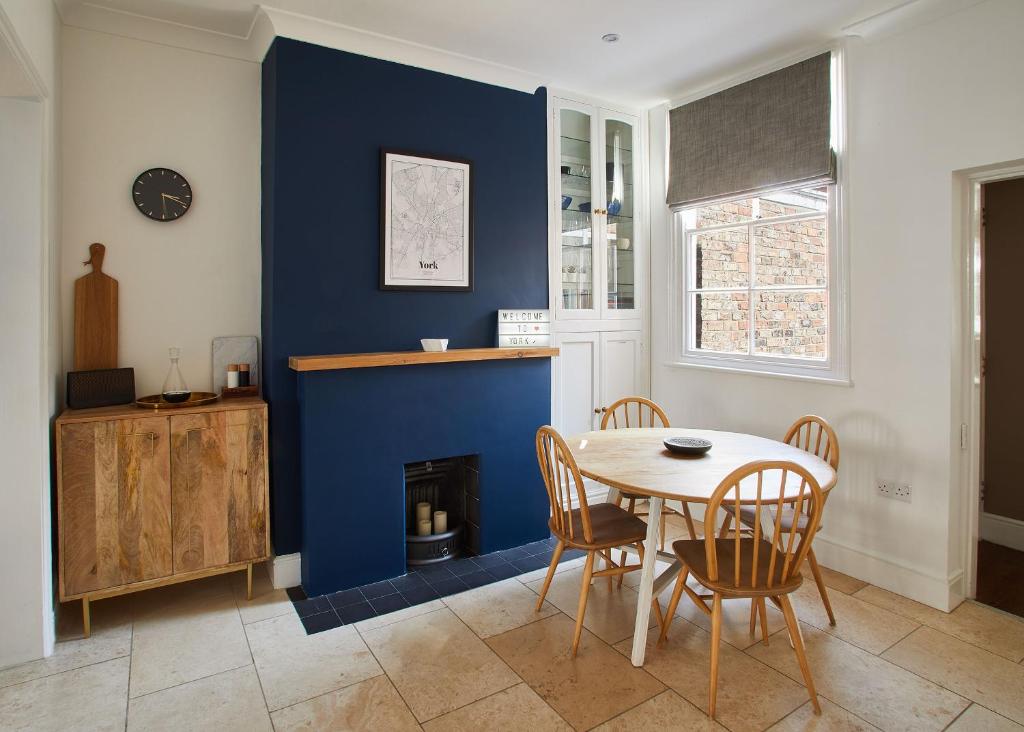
(149, 498)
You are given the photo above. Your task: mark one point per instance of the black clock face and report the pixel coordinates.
(162, 194)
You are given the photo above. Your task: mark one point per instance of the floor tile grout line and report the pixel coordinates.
(58, 673)
(128, 689)
(968, 699)
(962, 713)
(387, 676)
(190, 681)
(785, 631)
(888, 661)
(255, 669)
(927, 624)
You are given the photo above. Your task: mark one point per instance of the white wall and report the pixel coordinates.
(131, 105)
(29, 329)
(922, 104)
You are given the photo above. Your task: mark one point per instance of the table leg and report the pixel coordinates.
(646, 588)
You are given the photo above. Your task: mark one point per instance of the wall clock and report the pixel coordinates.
(162, 194)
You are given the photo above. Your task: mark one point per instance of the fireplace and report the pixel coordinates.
(451, 485)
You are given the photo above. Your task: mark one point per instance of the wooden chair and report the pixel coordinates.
(751, 566)
(816, 436)
(635, 411)
(596, 530)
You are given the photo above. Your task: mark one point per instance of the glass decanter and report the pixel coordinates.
(175, 389)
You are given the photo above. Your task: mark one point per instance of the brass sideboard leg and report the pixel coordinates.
(86, 626)
(248, 582)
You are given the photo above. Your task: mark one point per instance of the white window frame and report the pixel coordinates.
(834, 368)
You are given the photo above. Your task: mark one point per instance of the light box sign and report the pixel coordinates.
(524, 328)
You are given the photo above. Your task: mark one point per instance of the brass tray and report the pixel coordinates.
(156, 401)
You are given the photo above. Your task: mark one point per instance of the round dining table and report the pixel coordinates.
(635, 460)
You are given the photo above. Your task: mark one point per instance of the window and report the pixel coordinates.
(759, 282)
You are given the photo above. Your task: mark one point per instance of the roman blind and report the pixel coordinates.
(766, 133)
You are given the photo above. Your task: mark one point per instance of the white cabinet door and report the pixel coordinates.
(621, 361)
(577, 383)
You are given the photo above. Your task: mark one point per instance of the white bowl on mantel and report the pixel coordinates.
(434, 344)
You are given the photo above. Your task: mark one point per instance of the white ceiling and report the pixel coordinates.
(666, 47)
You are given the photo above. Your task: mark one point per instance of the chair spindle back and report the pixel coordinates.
(562, 478)
(770, 495)
(634, 411)
(815, 435)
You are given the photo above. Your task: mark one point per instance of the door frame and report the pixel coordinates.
(971, 337)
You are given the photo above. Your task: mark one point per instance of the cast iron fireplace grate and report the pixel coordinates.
(450, 485)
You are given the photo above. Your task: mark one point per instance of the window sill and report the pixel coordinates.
(826, 378)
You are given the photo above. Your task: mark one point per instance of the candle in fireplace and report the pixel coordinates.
(423, 511)
(440, 522)
(423, 527)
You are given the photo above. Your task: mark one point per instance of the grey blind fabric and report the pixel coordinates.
(765, 133)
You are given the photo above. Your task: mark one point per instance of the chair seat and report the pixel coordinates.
(611, 526)
(693, 554)
(747, 515)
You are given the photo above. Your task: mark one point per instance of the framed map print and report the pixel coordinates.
(426, 222)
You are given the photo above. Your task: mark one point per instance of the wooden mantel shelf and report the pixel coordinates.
(411, 358)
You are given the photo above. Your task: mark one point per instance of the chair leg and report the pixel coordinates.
(762, 610)
(551, 573)
(588, 570)
(724, 531)
(622, 562)
(608, 564)
(663, 517)
(753, 617)
(716, 637)
(673, 604)
(798, 646)
(689, 521)
(816, 571)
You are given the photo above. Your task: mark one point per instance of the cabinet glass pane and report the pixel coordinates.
(577, 223)
(619, 197)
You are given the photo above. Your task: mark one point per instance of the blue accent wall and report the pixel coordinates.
(326, 116)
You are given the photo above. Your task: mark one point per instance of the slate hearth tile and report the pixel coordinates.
(504, 571)
(528, 564)
(355, 613)
(449, 586)
(571, 554)
(296, 593)
(408, 582)
(478, 579)
(321, 622)
(461, 567)
(514, 553)
(488, 560)
(312, 606)
(346, 597)
(418, 595)
(536, 547)
(388, 603)
(430, 572)
(378, 589)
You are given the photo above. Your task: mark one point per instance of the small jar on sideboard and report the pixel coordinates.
(150, 498)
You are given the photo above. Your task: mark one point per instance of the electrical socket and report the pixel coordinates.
(889, 488)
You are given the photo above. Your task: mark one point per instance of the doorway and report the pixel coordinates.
(1000, 550)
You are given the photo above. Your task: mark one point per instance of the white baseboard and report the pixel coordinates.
(943, 593)
(285, 571)
(1002, 530)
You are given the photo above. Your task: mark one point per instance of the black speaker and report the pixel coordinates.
(100, 388)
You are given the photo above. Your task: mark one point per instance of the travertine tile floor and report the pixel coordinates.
(199, 656)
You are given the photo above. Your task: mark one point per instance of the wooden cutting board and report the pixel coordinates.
(95, 316)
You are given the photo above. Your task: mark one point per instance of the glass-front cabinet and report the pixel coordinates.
(597, 264)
